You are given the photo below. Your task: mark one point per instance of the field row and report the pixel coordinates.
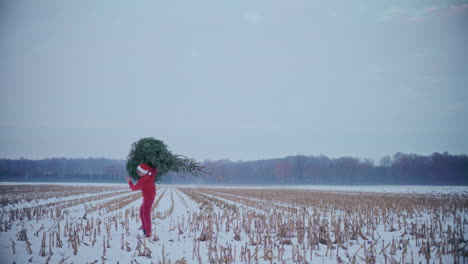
(406, 227)
(239, 225)
(13, 194)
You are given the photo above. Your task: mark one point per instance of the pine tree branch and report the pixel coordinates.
(183, 164)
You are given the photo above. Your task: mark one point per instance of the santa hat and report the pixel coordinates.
(144, 169)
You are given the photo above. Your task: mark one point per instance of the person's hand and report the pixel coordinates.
(128, 179)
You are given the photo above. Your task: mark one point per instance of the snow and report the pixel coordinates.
(178, 220)
(409, 189)
(67, 184)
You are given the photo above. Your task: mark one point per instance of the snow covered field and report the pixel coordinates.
(409, 189)
(98, 223)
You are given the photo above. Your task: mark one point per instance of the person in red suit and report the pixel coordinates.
(148, 189)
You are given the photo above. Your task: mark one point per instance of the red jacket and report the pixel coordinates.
(146, 185)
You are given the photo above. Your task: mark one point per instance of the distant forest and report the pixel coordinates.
(400, 169)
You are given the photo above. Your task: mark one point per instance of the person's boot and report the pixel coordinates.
(146, 234)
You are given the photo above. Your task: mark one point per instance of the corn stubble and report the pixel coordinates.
(345, 226)
(251, 226)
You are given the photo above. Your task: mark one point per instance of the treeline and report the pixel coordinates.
(400, 169)
(63, 170)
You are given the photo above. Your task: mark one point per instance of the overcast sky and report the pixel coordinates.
(239, 80)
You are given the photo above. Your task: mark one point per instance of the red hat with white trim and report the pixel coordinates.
(144, 169)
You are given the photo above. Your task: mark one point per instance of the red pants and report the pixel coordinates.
(145, 214)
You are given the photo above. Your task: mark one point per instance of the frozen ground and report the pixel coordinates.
(411, 189)
(416, 189)
(237, 224)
